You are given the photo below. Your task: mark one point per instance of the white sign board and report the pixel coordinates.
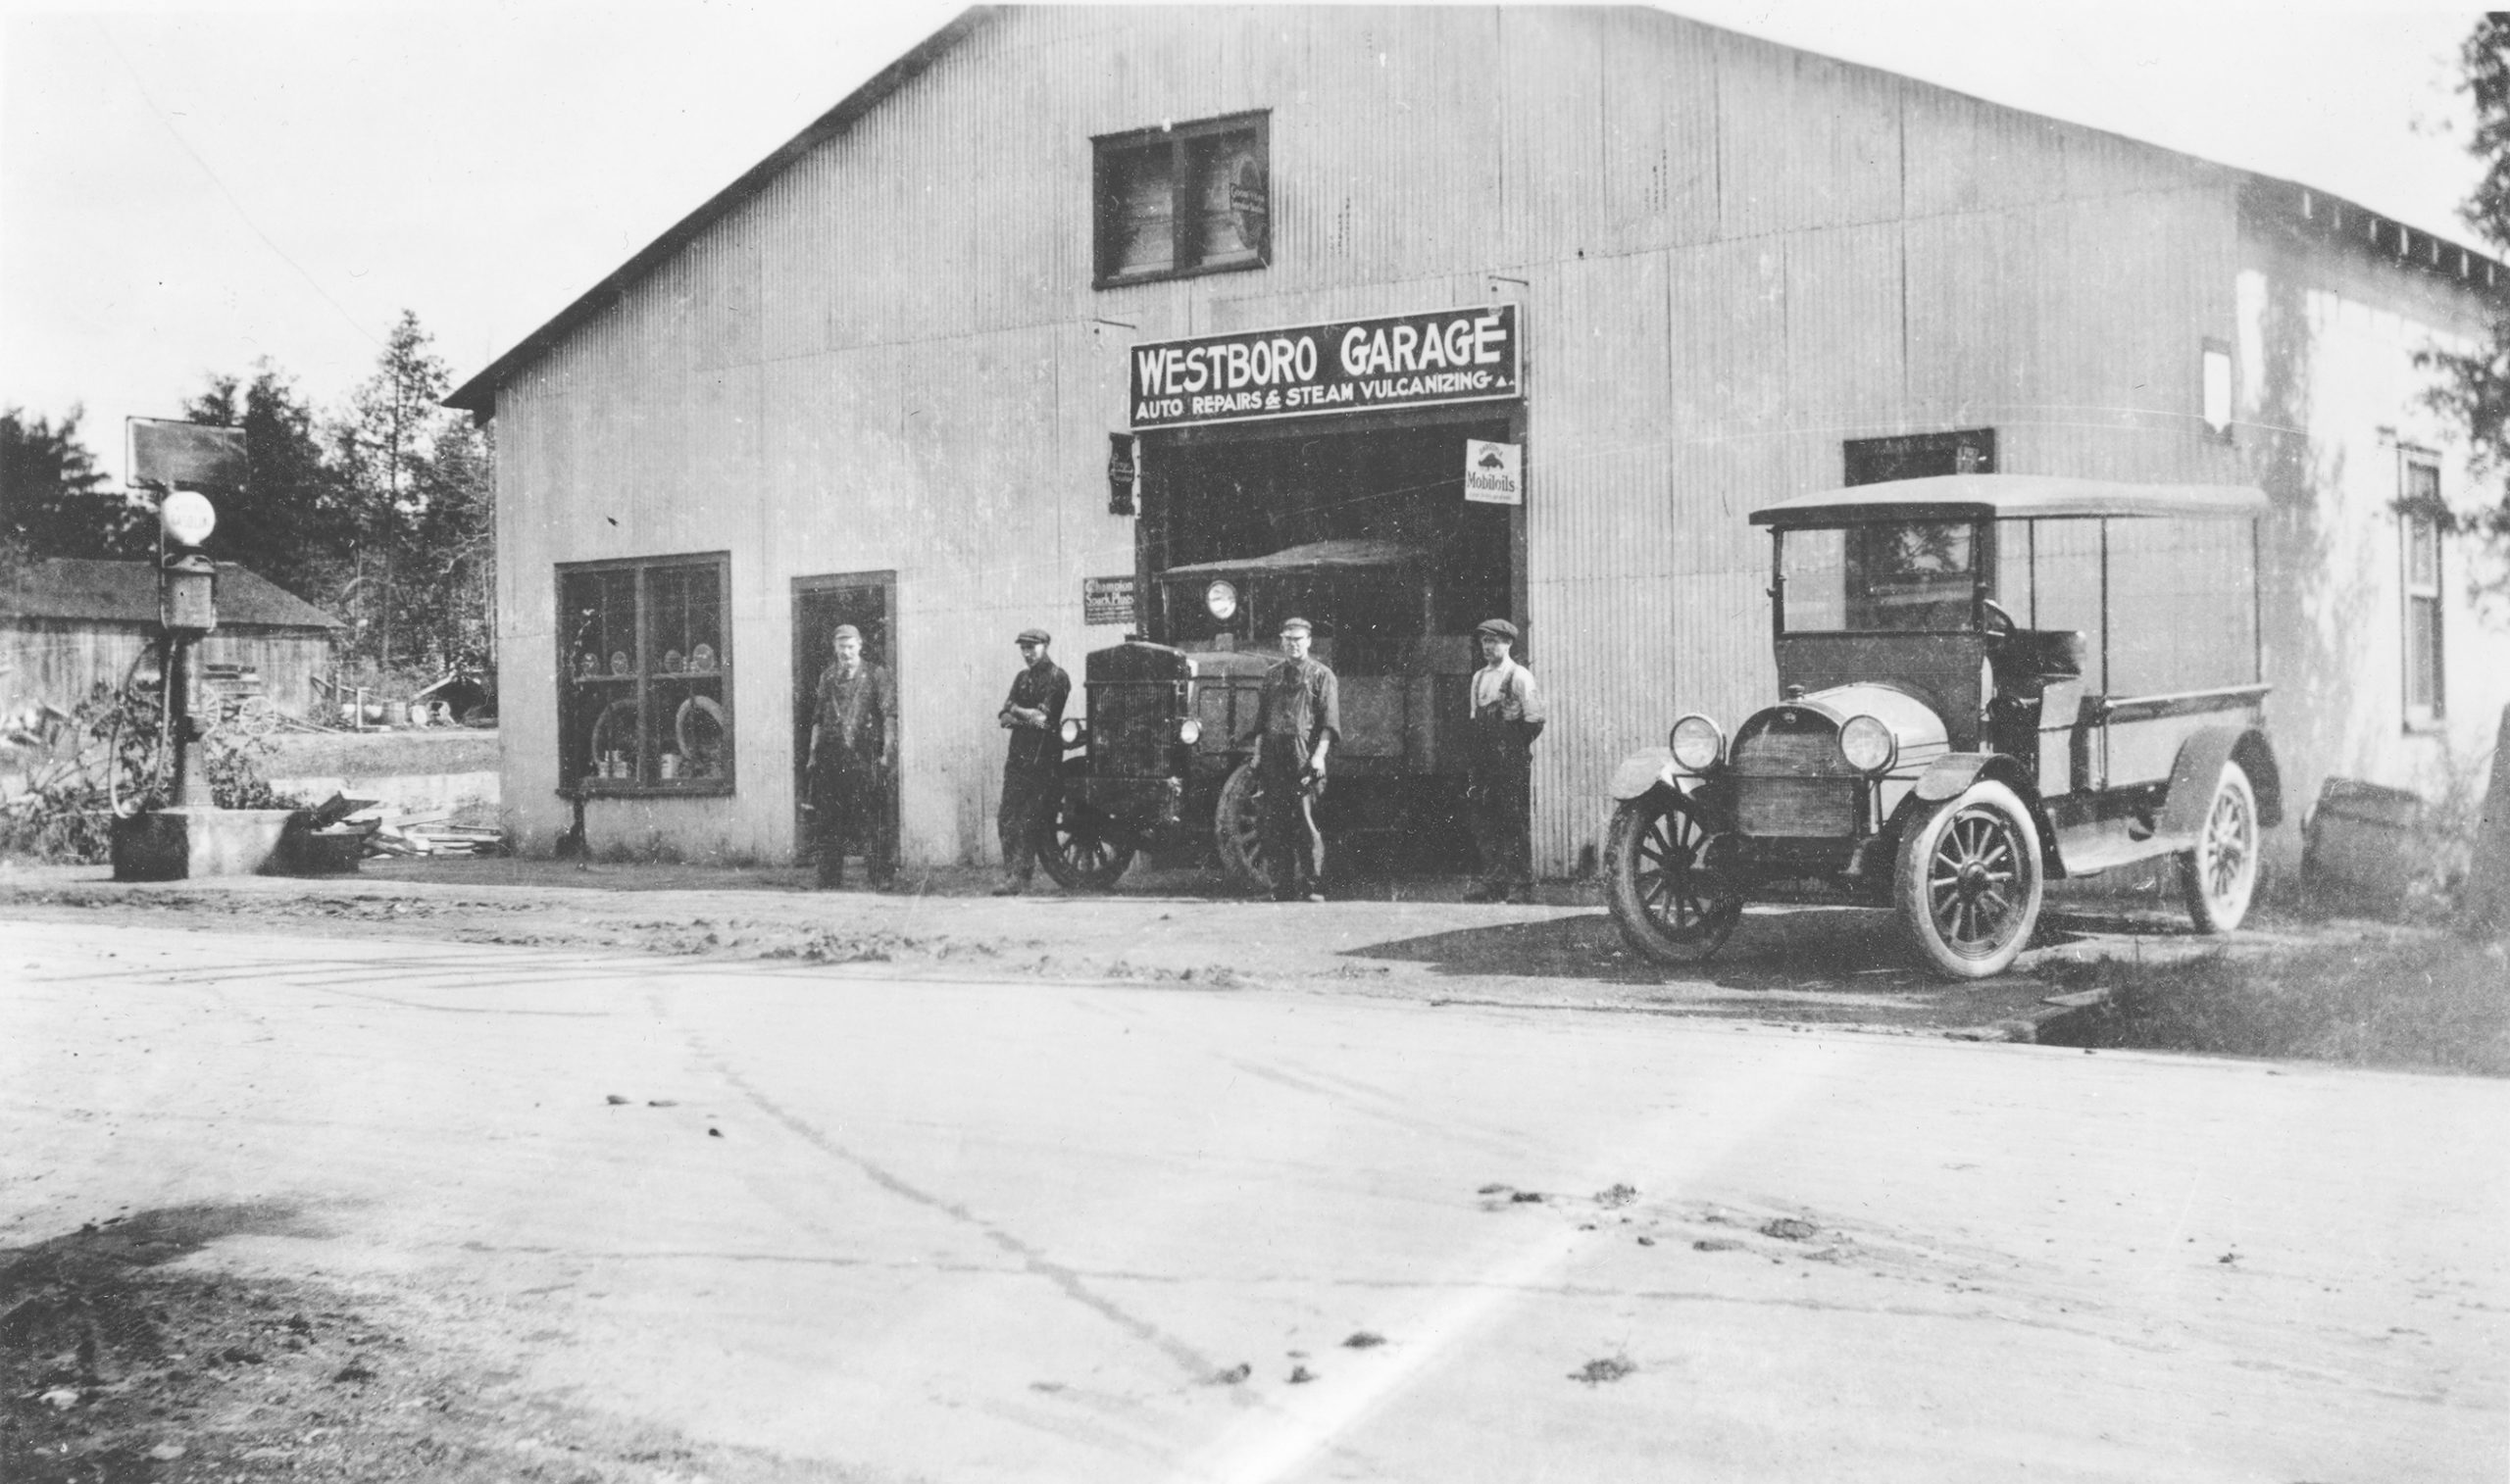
(1494, 473)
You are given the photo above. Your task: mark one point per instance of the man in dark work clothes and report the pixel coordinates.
(1297, 716)
(854, 741)
(1031, 768)
(1507, 715)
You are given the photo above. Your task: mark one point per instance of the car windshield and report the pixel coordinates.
(1909, 577)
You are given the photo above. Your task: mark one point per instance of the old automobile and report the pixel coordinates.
(1165, 754)
(1986, 682)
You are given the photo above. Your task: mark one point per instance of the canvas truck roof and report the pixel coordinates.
(1347, 555)
(2011, 497)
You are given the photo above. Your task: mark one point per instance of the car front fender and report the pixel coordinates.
(1641, 772)
(1947, 776)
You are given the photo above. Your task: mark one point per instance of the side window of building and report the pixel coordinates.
(645, 675)
(2419, 517)
(1194, 198)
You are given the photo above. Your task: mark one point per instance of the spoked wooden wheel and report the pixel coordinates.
(1671, 905)
(2218, 878)
(1080, 849)
(1968, 883)
(1237, 829)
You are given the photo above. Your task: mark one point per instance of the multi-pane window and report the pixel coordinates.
(644, 679)
(1192, 198)
(2420, 520)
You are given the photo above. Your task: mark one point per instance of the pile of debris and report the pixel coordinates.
(388, 830)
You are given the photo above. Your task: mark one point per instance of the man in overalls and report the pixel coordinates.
(1297, 716)
(854, 739)
(1507, 715)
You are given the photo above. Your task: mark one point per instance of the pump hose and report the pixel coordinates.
(125, 808)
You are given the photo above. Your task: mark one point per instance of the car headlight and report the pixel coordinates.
(1697, 743)
(1868, 744)
(1074, 729)
(1221, 598)
(1189, 730)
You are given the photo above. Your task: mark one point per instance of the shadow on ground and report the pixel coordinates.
(1773, 948)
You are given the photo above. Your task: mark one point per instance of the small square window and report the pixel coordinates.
(1195, 198)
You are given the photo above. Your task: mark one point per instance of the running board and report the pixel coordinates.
(2090, 849)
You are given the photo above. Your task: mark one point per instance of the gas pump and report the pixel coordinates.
(189, 837)
(186, 613)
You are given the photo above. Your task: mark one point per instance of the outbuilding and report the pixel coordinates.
(1069, 298)
(68, 624)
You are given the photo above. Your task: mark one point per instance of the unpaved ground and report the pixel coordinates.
(119, 1364)
(1000, 1229)
(1803, 966)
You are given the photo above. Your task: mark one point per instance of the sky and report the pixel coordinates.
(191, 185)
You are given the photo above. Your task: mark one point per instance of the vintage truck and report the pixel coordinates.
(1986, 682)
(1163, 757)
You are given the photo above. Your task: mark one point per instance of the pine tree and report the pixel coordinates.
(381, 450)
(2474, 389)
(289, 522)
(53, 502)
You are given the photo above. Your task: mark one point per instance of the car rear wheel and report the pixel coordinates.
(1968, 883)
(1237, 828)
(1081, 849)
(1669, 903)
(2218, 876)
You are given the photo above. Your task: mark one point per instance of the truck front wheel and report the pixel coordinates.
(1968, 884)
(1671, 905)
(1237, 829)
(1082, 848)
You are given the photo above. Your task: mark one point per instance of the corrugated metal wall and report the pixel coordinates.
(1733, 257)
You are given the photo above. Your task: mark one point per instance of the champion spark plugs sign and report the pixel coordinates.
(1456, 355)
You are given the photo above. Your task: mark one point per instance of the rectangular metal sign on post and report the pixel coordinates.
(168, 454)
(1494, 473)
(1454, 355)
(1107, 601)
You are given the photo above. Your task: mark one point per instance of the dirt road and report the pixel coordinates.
(1806, 967)
(393, 1208)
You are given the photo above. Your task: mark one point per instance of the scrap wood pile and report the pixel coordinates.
(389, 831)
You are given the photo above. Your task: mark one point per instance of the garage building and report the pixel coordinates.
(1665, 273)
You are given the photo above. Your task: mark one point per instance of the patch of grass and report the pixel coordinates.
(381, 754)
(2421, 1001)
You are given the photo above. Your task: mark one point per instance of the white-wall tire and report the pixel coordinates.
(1968, 883)
(2218, 876)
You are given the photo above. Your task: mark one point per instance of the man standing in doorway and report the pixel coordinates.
(1297, 717)
(1034, 715)
(854, 744)
(1507, 715)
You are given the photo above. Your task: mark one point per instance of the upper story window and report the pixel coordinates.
(2419, 517)
(1183, 199)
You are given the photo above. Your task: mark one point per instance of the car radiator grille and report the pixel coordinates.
(1798, 807)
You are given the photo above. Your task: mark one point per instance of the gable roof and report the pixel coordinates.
(479, 393)
(80, 588)
(2284, 200)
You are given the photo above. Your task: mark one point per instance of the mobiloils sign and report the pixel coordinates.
(1457, 355)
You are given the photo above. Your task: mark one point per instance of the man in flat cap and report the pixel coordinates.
(1297, 716)
(1031, 768)
(854, 747)
(1507, 715)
